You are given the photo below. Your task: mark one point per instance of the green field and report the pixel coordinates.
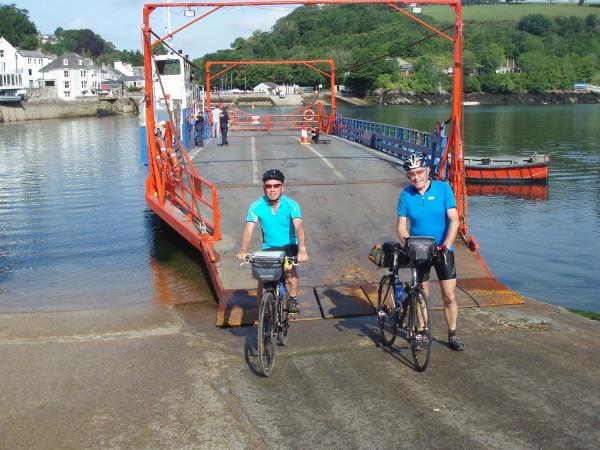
(486, 13)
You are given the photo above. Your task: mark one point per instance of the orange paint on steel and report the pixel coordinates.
(455, 142)
(309, 63)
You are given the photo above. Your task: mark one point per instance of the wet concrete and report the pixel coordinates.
(166, 377)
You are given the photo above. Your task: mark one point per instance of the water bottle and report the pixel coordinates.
(399, 293)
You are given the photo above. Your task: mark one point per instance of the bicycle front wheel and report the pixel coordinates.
(419, 329)
(267, 333)
(386, 310)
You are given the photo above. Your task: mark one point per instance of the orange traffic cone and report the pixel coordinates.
(304, 135)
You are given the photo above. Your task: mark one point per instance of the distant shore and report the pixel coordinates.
(543, 98)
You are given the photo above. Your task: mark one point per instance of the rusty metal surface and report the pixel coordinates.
(348, 197)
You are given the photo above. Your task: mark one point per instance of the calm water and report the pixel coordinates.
(75, 232)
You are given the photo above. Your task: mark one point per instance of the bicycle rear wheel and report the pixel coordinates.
(386, 310)
(419, 329)
(284, 315)
(266, 333)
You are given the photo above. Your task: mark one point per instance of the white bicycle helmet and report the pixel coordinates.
(415, 161)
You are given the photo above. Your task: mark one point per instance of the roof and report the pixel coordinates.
(269, 84)
(73, 63)
(32, 53)
(131, 78)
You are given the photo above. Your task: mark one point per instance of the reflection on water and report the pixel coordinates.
(75, 232)
(542, 249)
(531, 191)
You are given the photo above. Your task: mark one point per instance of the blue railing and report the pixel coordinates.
(397, 141)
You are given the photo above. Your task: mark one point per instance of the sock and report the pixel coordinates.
(451, 333)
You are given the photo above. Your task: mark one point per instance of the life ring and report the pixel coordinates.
(308, 115)
(175, 163)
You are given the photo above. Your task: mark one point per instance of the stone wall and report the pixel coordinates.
(45, 108)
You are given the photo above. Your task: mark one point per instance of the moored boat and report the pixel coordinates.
(507, 169)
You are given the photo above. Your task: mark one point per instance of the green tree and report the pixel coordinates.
(16, 27)
(536, 24)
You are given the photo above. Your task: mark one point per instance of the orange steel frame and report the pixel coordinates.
(454, 148)
(309, 63)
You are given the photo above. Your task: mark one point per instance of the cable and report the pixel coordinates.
(392, 53)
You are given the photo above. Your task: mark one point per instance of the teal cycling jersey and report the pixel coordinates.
(277, 228)
(427, 212)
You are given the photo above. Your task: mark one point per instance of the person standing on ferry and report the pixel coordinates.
(224, 122)
(430, 207)
(215, 114)
(282, 228)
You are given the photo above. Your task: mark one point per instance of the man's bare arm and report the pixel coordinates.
(246, 236)
(299, 227)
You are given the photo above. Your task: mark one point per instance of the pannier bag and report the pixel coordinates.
(267, 265)
(382, 255)
(376, 255)
(421, 248)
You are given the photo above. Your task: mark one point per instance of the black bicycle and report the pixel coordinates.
(411, 312)
(273, 315)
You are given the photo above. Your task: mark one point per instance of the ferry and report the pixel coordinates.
(347, 188)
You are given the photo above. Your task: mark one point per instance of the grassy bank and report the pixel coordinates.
(589, 314)
(485, 13)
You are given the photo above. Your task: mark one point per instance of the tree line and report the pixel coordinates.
(366, 40)
(17, 28)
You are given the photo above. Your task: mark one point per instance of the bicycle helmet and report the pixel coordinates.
(273, 174)
(415, 161)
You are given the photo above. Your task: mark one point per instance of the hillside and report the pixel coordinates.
(550, 51)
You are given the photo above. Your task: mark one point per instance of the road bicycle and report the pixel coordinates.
(408, 312)
(273, 315)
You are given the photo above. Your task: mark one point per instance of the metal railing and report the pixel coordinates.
(397, 141)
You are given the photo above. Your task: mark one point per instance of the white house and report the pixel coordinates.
(72, 75)
(11, 77)
(266, 88)
(32, 61)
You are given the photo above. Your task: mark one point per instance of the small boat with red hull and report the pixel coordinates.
(507, 169)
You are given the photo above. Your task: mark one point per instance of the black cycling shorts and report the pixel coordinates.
(444, 268)
(290, 250)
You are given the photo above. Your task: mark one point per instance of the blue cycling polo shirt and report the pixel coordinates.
(277, 228)
(427, 212)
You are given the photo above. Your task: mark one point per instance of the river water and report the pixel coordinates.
(75, 232)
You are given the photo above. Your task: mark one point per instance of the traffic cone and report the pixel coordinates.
(304, 135)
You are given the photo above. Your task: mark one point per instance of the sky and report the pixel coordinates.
(120, 22)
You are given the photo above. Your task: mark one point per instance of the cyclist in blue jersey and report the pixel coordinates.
(282, 229)
(429, 207)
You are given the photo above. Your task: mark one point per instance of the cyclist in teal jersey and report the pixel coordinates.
(430, 207)
(282, 229)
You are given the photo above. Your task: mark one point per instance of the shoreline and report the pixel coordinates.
(54, 108)
(543, 98)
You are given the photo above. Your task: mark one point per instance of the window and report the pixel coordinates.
(80, 62)
(28, 60)
(65, 62)
(66, 74)
(83, 74)
(30, 72)
(2, 67)
(40, 61)
(67, 94)
(84, 84)
(30, 83)
(67, 84)
(1, 53)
